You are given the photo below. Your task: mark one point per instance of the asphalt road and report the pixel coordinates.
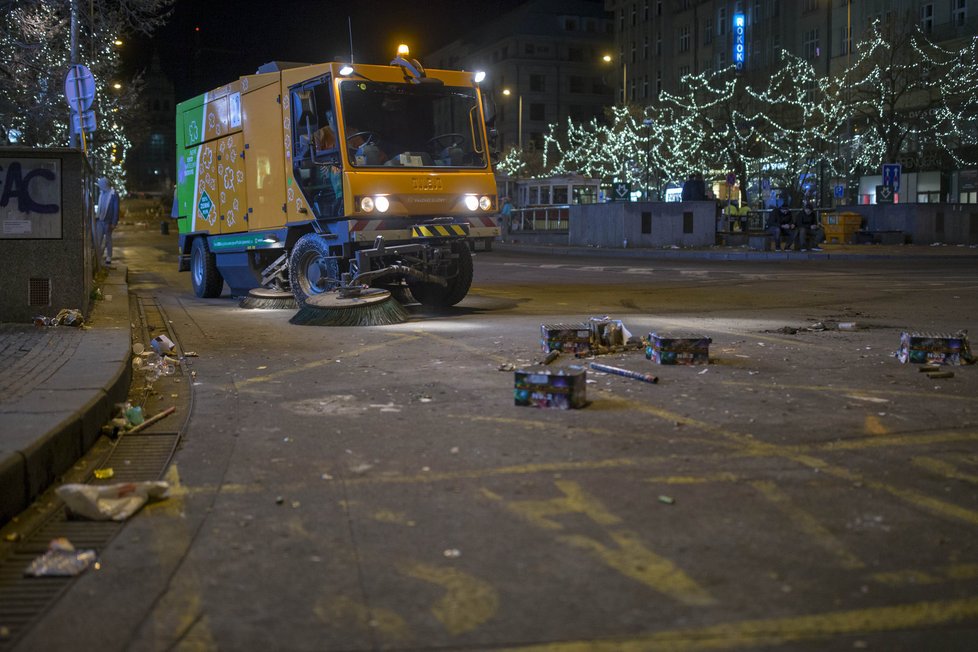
(377, 488)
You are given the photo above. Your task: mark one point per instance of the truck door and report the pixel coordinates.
(317, 165)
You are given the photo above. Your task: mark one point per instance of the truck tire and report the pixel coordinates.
(204, 275)
(312, 270)
(436, 296)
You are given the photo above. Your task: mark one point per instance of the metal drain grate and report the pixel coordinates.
(135, 457)
(39, 292)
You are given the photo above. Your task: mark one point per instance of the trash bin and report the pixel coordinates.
(841, 228)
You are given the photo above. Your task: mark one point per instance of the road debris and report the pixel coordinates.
(115, 502)
(61, 560)
(667, 500)
(544, 387)
(618, 371)
(935, 348)
(681, 349)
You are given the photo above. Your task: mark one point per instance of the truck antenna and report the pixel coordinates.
(349, 26)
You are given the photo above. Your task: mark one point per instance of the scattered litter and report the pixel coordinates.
(425, 399)
(618, 371)
(507, 366)
(928, 368)
(454, 450)
(279, 500)
(668, 500)
(134, 414)
(868, 399)
(61, 560)
(138, 348)
(703, 372)
(190, 354)
(13, 537)
(360, 469)
(540, 386)
(566, 338)
(941, 374)
(104, 474)
(115, 502)
(935, 348)
(817, 326)
(683, 349)
(162, 344)
(848, 326)
(553, 355)
(65, 317)
(296, 504)
(452, 553)
(326, 476)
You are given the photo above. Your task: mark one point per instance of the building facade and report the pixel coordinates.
(659, 41)
(544, 65)
(151, 161)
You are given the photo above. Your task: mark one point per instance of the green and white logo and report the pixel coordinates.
(205, 205)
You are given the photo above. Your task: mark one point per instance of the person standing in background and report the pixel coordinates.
(107, 217)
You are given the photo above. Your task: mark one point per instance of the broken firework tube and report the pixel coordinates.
(648, 378)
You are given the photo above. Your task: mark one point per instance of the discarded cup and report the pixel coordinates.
(134, 415)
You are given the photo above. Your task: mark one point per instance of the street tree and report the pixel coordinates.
(35, 55)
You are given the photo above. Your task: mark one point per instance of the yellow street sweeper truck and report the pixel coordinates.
(299, 177)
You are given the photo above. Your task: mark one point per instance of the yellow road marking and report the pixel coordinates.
(630, 558)
(945, 469)
(778, 631)
(476, 351)
(468, 601)
(874, 426)
(321, 363)
(722, 476)
(808, 524)
(847, 390)
(950, 573)
(336, 611)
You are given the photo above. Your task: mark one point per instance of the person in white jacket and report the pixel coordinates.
(107, 216)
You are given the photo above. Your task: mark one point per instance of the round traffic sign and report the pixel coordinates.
(79, 88)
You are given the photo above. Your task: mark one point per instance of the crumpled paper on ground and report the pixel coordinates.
(115, 502)
(60, 560)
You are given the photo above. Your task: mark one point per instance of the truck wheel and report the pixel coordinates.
(312, 270)
(436, 296)
(204, 275)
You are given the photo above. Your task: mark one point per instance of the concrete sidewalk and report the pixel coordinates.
(58, 386)
(522, 242)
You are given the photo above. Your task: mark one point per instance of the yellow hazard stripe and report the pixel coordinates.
(438, 230)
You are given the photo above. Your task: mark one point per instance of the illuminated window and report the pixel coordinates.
(810, 47)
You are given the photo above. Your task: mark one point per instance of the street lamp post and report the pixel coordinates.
(624, 77)
(519, 121)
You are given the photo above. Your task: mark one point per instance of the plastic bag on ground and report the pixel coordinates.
(115, 502)
(60, 560)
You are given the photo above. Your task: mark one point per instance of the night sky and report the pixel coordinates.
(234, 38)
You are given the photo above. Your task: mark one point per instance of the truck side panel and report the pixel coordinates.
(232, 189)
(264, 157)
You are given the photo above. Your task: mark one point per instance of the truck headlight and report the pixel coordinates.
(367, 204)
(471, 202)
(382, 203)
(485, 203)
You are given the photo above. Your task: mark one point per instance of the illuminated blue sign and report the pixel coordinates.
(739, 29)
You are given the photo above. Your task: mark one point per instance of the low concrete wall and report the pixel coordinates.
(685, 224)
(923, 223)
(45, 232)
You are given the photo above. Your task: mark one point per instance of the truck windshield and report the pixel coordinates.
(412, 125)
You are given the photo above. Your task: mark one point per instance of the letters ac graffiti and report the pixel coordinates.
(16, 184)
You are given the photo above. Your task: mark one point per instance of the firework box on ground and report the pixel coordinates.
(686, 349)
(545, 387)
(608, 332)
(935, 348)
(566, 338)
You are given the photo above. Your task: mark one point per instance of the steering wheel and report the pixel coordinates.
(454, 140)
(368, 137)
